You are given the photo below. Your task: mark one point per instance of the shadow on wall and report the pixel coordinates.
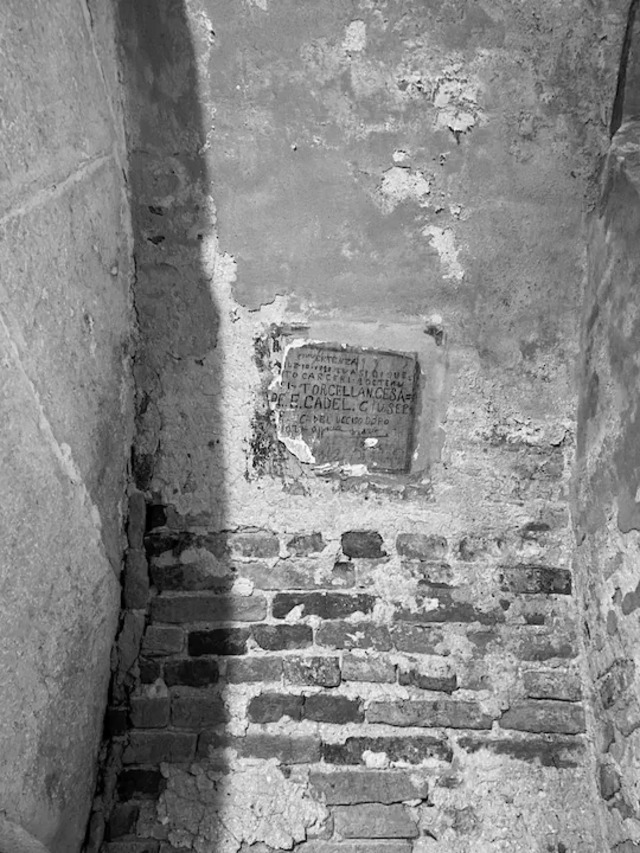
(160, 699)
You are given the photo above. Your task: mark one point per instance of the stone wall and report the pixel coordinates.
(65, 409)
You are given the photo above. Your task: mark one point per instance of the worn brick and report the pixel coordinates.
(279, 637)
(396, 845)
(546, 750)
(418, 639)
(353, 635)
(475, 546)
(205, 607)
(270, 707)
(149, 707)
(362, 543)
(162, 640)
(303, 544)
(253, 543)
(150, 670)
(135, 592)
(148, 845)
(407, 750)
(328, 605)
(116, 721)
(288, 750)
(374, 820)
(544, 715)
(348, 787)
(140, 783)
(436, 604)
(530, 645)
(136, 523)
(534, 580)
(154, 747)
(192, 673)
(445, 683)
(343, 574)
(246, 670)
(197, 709)
(218, 641)
(377, 670)
(445, 713)
(421, 546)
(323, 672)
(332, 709)
(552, 684)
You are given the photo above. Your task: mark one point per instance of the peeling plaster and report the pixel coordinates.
(355, 38)
(399, 185)
(443, 241)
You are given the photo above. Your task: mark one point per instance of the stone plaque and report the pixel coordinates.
(340, 405)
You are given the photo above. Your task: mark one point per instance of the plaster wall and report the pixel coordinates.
(65, 409)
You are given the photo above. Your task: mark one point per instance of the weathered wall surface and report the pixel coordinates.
(379, 660)
(607, 496)
(65, 408)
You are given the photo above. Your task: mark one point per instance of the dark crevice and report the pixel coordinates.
(617, 113)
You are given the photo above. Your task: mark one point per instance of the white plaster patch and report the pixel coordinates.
(443, 241)
(260, 4)
(456, 101)
(375, 760)
(400, 185)
(355, 39)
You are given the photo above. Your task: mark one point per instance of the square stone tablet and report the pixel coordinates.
(342, 405)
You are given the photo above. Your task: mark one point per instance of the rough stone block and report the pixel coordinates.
(279, 637)
(441, 683)
(248, 670)
(552, 684)
(332, 709)
(149, 707)
(288, 750)
(535, 580)
(253, 543)
(201, 672)
(541, 647)
(191, 577)
(150, 670)
(197, 709)
(149, 845)
(418, 639)
(355, 846)
(156, 516)
(407, 750)
(270, 707)
(362, 543)
(140, 783)
(162, 640)
(218, 641)
(544, 715)
(303, 544)
(146, 747)
(135, 592)
(322, 672)
(137, 522)
(440, 713)
(353, 635)
(436, 604)
(116, 721)
(420, 546)
(206, 607)
(348, 787)
(327, 605)
(377, 670)
(343, 574)
(285, 574)
(609, 781)
(373, 820)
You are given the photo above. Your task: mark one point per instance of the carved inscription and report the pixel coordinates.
(348, 405)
